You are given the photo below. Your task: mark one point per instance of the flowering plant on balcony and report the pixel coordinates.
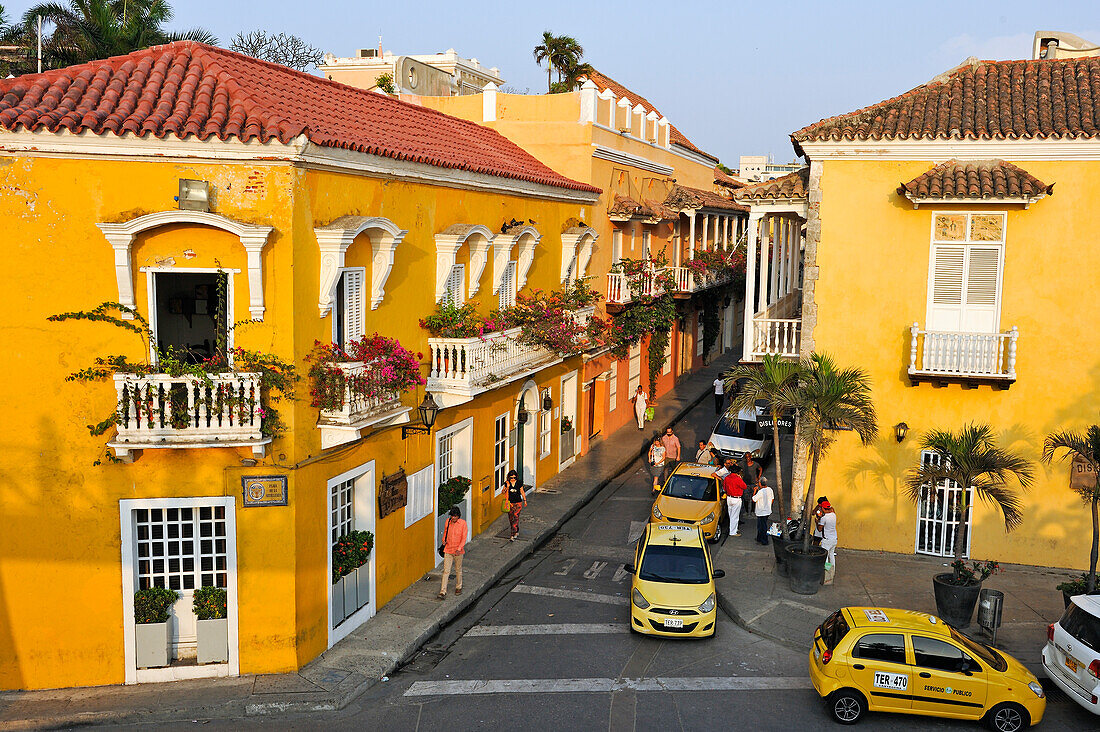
(448, 320)
(393, 369)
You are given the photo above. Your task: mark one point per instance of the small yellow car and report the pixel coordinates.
(885, 660)
(693, 495)
(672, 593)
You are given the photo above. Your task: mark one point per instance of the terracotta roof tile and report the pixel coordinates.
(685, 197)
(188, 89)
(623, 207)
(728, 181)
(981, 100)
(791, 185)
(605, 82)
(975, 179)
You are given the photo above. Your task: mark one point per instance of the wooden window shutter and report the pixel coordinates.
(983, 275)
(947, 275)
(456, 281)
(508, 286)
(353, 304)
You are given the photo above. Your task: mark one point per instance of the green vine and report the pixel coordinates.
(658, 344)
(710, 322)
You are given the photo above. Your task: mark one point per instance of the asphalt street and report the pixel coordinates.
(548, 648)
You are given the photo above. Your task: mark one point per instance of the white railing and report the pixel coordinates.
(975, 355)
(361, 379)
(581, 316)
(685, 281)
(620, 291)
(776, 336)
(182, 411)
(467, 366)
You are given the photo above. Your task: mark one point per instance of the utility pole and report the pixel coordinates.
(40, 44)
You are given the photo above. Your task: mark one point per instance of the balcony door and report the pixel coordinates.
(189, 313)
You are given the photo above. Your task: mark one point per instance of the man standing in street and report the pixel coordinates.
(702, 456)
(751, 473)
(762, 497)
(827, 526)
(719, 395)
(672, 448)
(734, 488)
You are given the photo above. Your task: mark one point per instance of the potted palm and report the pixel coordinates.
(969, 457)
(1086, 447)
(211, 626)
(152, 630)
(826, 398)
(773, 380)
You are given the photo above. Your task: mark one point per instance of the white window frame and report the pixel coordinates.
(943, 524)
(646, 244)
(151, 289)
(340, 304)
(612, 386)
(616, 246)
(966, 243)
(699, 334)
(364, 493)
(420, 502)
(546, 424)
(502, 457)
(667, 368)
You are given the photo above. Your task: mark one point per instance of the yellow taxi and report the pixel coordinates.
(672, 593)
(885, 660)
(692, 495)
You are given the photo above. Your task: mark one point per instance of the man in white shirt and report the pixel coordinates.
(719, 395)
(827, 526)
(762, 499)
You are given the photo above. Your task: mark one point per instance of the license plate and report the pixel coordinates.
(1071, 664)
(674, 622)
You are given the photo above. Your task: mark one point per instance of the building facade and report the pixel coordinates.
(434, 74)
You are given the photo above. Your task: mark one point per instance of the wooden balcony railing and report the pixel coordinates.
(943, 355)
(776, 336)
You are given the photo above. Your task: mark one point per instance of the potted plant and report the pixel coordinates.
(1087, 446)
(452, 492)
(211, 626)
(826, 398)
(969, 457)
(152, 631)
(1072, 588)
(772, 380)
(350, 587)
(957, 591)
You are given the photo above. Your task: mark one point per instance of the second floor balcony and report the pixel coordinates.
(365, 403)
(461, 368)
(689, 281)
(623, 289)
(968, 358)
(775, 336)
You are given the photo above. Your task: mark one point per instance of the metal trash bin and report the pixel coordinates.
(990, 606)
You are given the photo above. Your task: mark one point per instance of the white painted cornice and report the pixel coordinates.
(576, 244)
(1026, 201)
(333, 241)
(625, 158)
(937, 151)
(447, 244)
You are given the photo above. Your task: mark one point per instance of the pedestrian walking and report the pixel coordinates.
(715, 455)
(762, 498)
(641, 403)
(734, 488)
(751, 473)
(517, 500)
(703, 456)
(672, 449)
(719, 395)
(655, 463)
(827, 525)
(454, 546)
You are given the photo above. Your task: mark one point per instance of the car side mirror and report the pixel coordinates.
(719, 573)
(964, 667)
(628, 568)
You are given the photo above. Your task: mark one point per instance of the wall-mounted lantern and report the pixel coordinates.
(428, 411)
(900, 430)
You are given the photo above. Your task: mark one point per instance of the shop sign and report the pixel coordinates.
(786, 423)
(1082, 474)
(265, 490)
(393, 493)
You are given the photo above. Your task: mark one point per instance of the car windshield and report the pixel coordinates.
(684, 564)
(694, 487)
(983, 652)
(1082, 626)
(834, 629)
(727, 427)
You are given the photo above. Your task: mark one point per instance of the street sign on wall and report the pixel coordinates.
(265, 490)
(1082, 474)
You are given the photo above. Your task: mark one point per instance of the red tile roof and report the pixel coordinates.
(187, 89)
(975, 179)
(685, 197)
(983, 100)
(605, 82)
(791, 185)
(624, 207)
(728, 181)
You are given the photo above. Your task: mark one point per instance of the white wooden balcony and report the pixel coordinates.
(461, 368)
(621, 292)
(776, 336)
(162, 411)
(941, 356)
(359, 410)
(581, 316)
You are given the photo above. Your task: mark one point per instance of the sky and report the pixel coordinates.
(735, 77)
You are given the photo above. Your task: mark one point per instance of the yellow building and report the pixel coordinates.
(947, 231)
(235, 204)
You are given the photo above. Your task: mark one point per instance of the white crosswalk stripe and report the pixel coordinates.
(570, 594)
(603, 686)
(549, 629)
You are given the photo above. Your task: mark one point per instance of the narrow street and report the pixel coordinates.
(549, 648)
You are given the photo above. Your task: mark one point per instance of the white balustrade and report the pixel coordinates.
(620, 290)
(363, 400)
(975, 355)
(776, 336)
(467, 366)
(581, 316)
(618, 293)
(183, 411)
(684, 279)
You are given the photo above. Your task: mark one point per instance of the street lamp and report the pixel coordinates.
(900, 430)
(428, 410)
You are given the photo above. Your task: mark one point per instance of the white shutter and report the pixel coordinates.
(612, 386)
(983, 285)
(616, 245)
(353, 304)
(508, 286)
(456, 285)
(634, 368)
(668, 355)
(419, 496)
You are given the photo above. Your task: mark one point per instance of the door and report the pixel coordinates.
(592, 396)
(947, 681)
(527, 439)
(880, 671)
(938, 515)
(568, 437)
(352, 599)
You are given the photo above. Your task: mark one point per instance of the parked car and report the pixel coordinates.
(886, 660)
(693, 495)
(672, 593)
(1071, 656)
(734, 436)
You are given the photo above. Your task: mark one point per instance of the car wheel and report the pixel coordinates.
(718, 531)
(1008, 718)
(847, 706)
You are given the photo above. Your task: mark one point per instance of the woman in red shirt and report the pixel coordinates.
(454, 546)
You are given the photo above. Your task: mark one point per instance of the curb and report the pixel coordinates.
(727, 607)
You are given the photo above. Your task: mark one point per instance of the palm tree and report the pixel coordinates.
(1086, 445)
(547, 51)
(561, 54)
(85, 30)
(970, 457)
(828, 398)
(773, 380)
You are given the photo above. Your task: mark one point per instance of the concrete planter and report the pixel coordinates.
(350, 593)
(338, 602)
(955, 603)
(152, 641)
(213, 636)
(805, 571)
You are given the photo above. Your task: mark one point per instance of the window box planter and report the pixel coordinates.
(152, 641)
(213, 637)
(350, 593)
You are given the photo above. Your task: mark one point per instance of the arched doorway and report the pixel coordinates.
(527, 432)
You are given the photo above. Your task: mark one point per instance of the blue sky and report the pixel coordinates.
(735, 77)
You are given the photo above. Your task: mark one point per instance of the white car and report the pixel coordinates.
(734, 437)
(1071, 656)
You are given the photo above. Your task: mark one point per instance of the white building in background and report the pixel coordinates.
(1059, 44)
(758, 168)
(438, 74)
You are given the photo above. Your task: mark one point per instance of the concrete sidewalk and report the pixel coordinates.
(391, 637)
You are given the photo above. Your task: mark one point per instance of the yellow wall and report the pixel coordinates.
(873, 261)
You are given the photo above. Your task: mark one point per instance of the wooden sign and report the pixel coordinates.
(265, 490)
(393, 493)
(1082, 474)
